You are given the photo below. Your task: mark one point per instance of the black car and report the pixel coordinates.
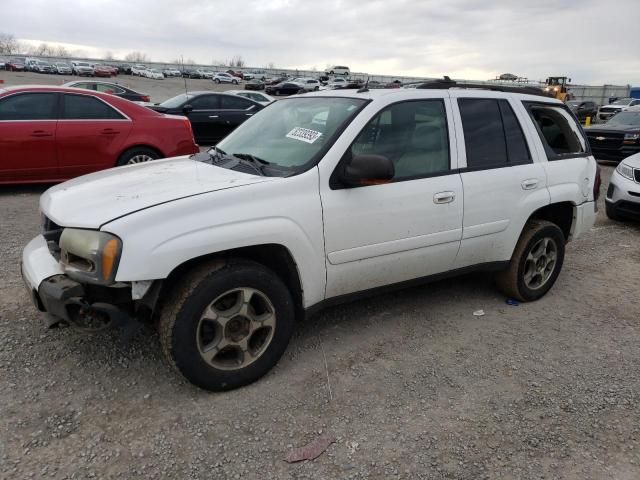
(582, 110)
(254, 84)
(212, 115)
(112, 88)
(285, 88)
(616, 139)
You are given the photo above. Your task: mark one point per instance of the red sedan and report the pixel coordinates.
(102, 71)
(51, 134)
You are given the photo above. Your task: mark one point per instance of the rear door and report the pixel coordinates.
(205, 118)
(91, 134)
(234, 110)
(28, 123)
(502, 179)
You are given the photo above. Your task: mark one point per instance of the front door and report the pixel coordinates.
(91, 135)
(407, 228)
(205, 118)
(28, 124)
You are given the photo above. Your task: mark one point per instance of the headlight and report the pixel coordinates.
(89, 255)
(625, 170)
(631, 138)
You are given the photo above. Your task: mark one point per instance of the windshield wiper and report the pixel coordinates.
(256, 162)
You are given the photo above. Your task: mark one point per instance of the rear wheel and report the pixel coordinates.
(226, 324)
(235, 82)
(536, 262)
(137, 155)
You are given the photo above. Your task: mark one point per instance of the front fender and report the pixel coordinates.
(159, 239)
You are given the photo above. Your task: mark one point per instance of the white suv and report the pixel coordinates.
(314, 200)
(337, 70)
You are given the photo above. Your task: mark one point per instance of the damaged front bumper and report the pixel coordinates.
(64, 299)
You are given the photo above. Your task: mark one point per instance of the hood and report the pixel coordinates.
(633, 161)
(613, 128)
(92, 200)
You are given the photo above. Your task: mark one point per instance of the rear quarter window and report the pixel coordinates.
(559, 131)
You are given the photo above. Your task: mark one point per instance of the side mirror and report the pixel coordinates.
(187, 108)
(364, 170)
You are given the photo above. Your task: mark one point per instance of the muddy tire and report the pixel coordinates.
(536, 262)
(226, 324)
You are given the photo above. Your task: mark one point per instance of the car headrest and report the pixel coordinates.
(427, 137)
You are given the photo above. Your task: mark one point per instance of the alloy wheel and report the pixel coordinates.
(540, 263)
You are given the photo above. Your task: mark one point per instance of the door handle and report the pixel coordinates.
(248, 114)
(110, 131)
(41, 133)
(529, 184)
(213, 116)
(444, 197)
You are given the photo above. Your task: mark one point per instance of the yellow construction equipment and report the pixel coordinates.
(557, 86)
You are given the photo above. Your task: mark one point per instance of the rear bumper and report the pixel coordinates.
(585, 217)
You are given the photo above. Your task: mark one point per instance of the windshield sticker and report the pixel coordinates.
(304, 134)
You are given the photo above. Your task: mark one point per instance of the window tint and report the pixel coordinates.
(483, 133)
(106, 88)
(492, 134)
(413, 135)
(517, 149)
(83, 107)
(232, 102)
(29, 106)
(205, 102)
(86, 86)
(558, 130)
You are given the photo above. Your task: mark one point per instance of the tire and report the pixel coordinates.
(331, 72)
(611, 212)
(217, 80)
(513, 281)
(137, 155)
(235, 82)
(184, 333)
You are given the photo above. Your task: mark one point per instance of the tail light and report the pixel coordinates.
(597, 183)
(190, 130)
(146, 98)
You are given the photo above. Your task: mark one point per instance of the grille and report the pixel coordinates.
(51, 232)
(629, 207)
(605, 141)
(636, 174)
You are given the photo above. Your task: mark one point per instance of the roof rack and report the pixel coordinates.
(447, 83)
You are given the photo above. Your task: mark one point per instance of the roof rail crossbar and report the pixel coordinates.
(447, 83)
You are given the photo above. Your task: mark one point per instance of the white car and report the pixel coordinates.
(338, 70)
(138, 70)
(259, 74)
(337, 82)
(607, 111)
(82, 69)
(314, 200)
(223, 77)
(153, 73)
(259, 97)
(309, 84)
(623, 195)
(171, 72)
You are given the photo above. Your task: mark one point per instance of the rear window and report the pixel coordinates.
(561, 135)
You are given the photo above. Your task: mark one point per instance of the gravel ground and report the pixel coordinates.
(415, 386)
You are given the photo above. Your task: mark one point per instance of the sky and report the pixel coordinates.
(590, 41)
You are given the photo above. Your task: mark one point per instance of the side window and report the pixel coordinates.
(413, 135)
(84, 107)
(233, 102)
(206, 102)
(493, 136)
(558, 130)
(484, 137)
(29, 106)
(517, 148)
(106, 88)
(85, 86)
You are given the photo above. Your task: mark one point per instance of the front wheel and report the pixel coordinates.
(235, 82)
(536, 262)
(226, 323)
(217, 80)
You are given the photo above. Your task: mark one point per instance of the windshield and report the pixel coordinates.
(621, 101)
(176, 101)
(625, 118)
(289, 133)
